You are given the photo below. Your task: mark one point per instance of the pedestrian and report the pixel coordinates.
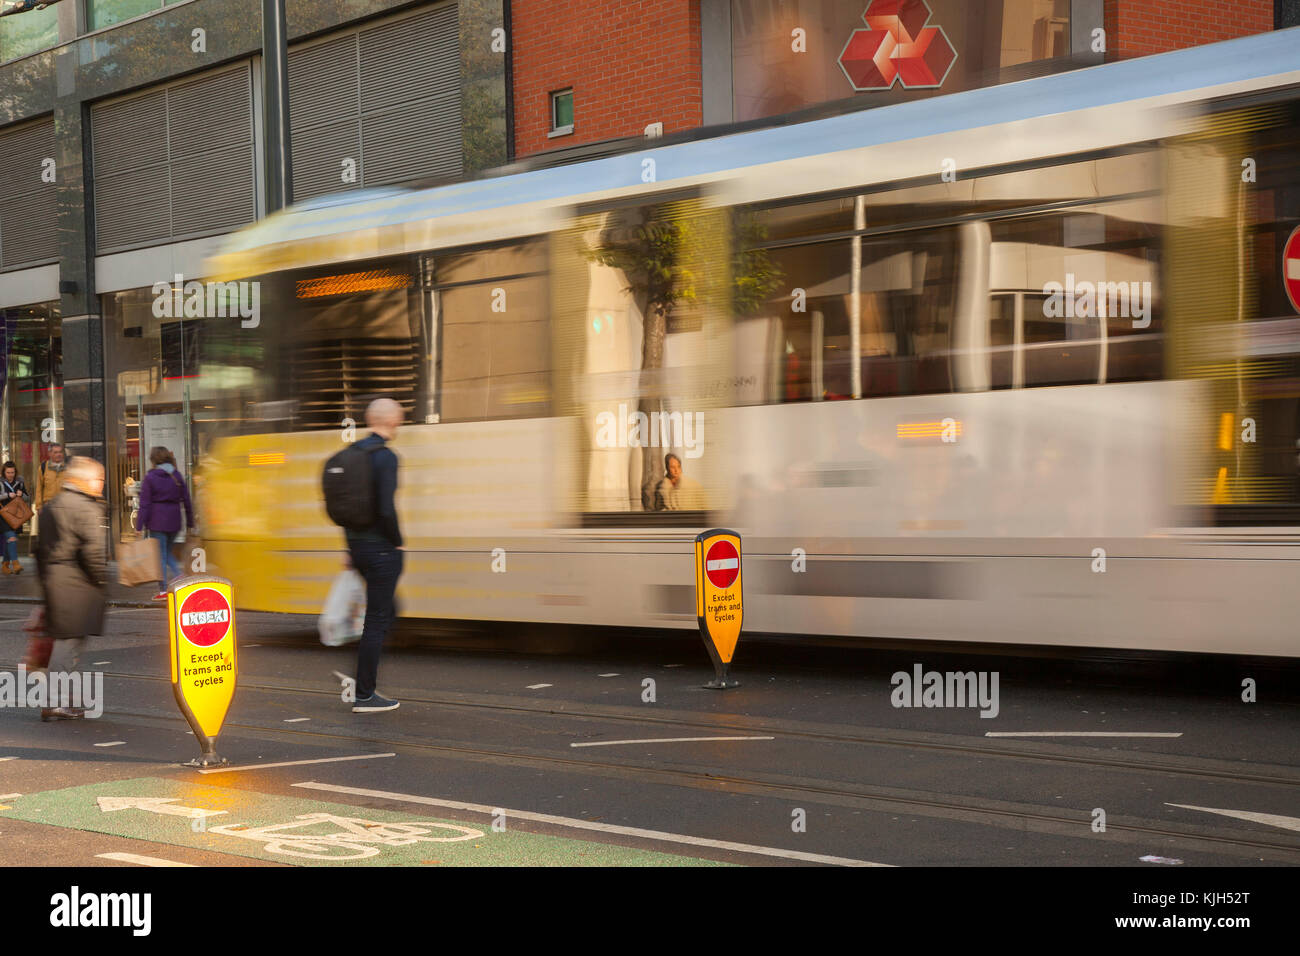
(376, 553)
(72, 563)
(162, 492)
(11, 487)
(50, 478)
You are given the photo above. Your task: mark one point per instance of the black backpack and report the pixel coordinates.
(349, 488)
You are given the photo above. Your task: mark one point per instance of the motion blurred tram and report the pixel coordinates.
(1013, 365)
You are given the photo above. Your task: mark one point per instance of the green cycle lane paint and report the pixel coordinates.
(308, 832)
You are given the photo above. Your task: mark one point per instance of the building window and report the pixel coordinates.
(24, 33)
(562, 112)
(105, 13)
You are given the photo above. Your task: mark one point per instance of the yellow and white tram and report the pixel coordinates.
(1011, 366)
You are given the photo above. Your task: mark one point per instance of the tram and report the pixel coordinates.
(1007, 366)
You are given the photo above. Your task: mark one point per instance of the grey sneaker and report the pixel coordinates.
(373, 704)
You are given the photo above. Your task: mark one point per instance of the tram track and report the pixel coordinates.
(874, 798)
(1144, 762)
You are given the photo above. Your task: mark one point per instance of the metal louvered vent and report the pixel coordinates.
(29, 232)
(174, 162)
(334, 379)
(386, 97)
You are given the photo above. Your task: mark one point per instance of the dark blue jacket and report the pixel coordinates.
(383, 476)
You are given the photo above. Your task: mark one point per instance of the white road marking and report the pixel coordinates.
(590, 825)
(293, 763)
(295, 720)
(112, 743)
(1159, 859)
(663, 740)
(606, 675)
(1076, 733)
(163, 805)
(98, 663)
(672, 665)
(9, 796)
(1272, 819)
(539, 686)
(138, 860)
(3, 759)
(251, 645)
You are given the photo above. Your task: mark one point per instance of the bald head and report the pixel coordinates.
(383, 416)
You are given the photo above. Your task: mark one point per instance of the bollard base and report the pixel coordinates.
(207, 760)
(722, 683)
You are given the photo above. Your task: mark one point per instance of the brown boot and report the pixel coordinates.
(15, 568)
(6, 568)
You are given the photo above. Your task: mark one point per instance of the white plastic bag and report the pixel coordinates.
(344, 615)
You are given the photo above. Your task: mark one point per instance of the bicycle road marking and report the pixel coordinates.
(306, 832)
(658, 835)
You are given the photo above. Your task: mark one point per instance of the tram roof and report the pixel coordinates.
(365, 224)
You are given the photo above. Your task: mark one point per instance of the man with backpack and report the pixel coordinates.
(359, 484)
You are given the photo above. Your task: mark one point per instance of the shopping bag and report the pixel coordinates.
(139, 562)
(344, 615)
(39, 646)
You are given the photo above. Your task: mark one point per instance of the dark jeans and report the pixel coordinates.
(381, 565)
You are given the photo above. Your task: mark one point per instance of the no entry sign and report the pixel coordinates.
(205, 616)
(204, 663)
(1291, 268)
(719, 598)
(722, 563)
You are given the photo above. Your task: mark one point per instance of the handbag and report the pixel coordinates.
(17, 513)
(139, 562)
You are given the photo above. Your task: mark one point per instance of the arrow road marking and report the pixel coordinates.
(154, 805)
(1271, 819)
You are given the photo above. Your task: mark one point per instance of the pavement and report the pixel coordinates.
(25, 588)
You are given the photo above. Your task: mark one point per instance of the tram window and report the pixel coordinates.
(904, 300)
(1059, 349)
(1002, 339)
(495, 342)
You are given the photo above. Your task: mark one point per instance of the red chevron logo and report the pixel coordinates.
(897, 45)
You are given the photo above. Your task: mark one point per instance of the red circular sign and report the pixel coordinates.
(722, 564)
(1291, 269)
(205, 617)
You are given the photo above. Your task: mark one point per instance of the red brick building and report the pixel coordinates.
(1144, 27)
(589, 71)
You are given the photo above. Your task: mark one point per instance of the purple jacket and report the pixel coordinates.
(161, 496)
